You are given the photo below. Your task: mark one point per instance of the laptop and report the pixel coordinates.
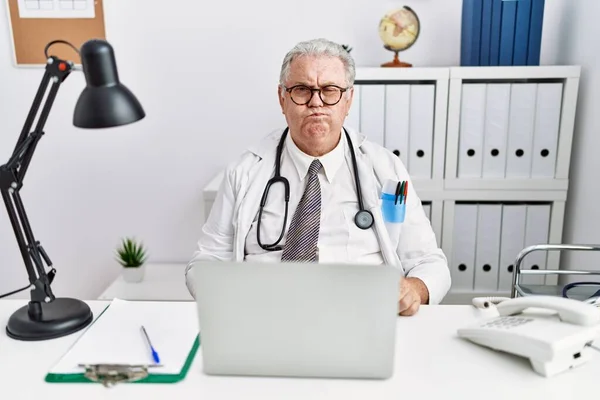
(297, 319)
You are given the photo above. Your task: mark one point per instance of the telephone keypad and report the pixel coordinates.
(506, 322)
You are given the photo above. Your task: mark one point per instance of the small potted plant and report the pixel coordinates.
(132, 256)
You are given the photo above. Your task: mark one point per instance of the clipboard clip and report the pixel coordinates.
(111, 374)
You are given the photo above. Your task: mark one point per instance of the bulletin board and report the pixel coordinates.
(31, 35)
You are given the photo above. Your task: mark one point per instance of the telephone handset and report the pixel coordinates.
(552, 332)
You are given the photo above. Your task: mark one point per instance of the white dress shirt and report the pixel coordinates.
(340, 240)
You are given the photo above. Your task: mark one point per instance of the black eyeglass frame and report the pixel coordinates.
(312, 93)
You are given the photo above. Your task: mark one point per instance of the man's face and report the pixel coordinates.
(316, 126)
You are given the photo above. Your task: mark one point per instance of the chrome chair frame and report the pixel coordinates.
(516, 289)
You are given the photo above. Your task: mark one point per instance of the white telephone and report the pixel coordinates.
(555, 337)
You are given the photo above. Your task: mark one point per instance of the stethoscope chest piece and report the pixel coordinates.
(363, 219)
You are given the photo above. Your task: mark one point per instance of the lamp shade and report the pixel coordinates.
(105, 102)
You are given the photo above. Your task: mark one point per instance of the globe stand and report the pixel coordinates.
(396, 63)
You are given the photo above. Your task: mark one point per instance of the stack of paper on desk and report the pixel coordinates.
(115, 337)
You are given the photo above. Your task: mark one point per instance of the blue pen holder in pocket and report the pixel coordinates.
(392, 211)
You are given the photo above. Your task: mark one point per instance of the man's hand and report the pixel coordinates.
(413, 293)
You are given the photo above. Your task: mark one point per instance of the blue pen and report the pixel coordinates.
(154, 353)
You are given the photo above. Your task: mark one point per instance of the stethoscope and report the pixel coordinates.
(363, 218)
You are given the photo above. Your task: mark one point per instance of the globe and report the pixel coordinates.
(399, 30)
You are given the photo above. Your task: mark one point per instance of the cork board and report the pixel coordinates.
(31, 35)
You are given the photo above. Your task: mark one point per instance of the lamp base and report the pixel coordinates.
(42, 321)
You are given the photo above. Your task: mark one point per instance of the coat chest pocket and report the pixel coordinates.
(360, 242)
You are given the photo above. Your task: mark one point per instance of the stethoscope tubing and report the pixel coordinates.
(363, 219)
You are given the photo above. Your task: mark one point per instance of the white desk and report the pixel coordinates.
(431, 363)
(162, 282)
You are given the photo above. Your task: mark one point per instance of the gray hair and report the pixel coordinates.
(319, 47)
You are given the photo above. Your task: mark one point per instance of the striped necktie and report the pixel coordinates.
(303, 235)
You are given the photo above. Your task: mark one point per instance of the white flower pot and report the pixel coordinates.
(133, 274)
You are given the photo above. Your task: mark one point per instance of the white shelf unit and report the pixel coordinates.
(531, 113)
(384, 109)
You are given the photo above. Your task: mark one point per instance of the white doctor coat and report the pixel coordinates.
(412, 248)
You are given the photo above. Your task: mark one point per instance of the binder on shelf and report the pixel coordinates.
(113, 349)
(535, 32)
(536, 232)
(487, 254)
(472, 123)
(470, 32)
(486, 32)
(497, 108)
(422, 112)
(512, 241)
(546, 131)
(507, 33)
(372, 112)
(464, 239)
(397, 120)
(353, 118)
(520, 131)
(522, 28)
(501, 32)
(496, 28)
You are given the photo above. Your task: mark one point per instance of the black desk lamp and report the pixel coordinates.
(104, 103)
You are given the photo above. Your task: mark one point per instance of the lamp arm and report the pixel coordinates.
(11, 180)
(37, 101)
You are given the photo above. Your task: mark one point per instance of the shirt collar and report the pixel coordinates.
(331, 161)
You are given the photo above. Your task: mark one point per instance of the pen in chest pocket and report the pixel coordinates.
(401, 192)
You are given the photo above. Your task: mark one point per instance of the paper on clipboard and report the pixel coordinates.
(56, 9)
(116, 338)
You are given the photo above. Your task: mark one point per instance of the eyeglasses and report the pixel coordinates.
(301, 95)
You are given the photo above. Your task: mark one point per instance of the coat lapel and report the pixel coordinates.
(371, 190)
(253, 188)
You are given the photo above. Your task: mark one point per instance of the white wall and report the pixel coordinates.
(579, 45)
(206, 73)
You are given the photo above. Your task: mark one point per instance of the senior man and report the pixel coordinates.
(330, 170)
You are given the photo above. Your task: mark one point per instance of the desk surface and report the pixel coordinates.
(162, 282)
(431, 363)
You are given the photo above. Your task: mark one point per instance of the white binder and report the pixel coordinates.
(536, 232)
(372, 112)
(496, 130)
(472, 125)
(397, 120)
(487, 254)
(353, 118)
(463, 247)
(422, 111)
(547, 125)
(511, 242)
(520, 131)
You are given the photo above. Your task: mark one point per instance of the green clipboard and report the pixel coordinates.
(110, 374)
(149, 378)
